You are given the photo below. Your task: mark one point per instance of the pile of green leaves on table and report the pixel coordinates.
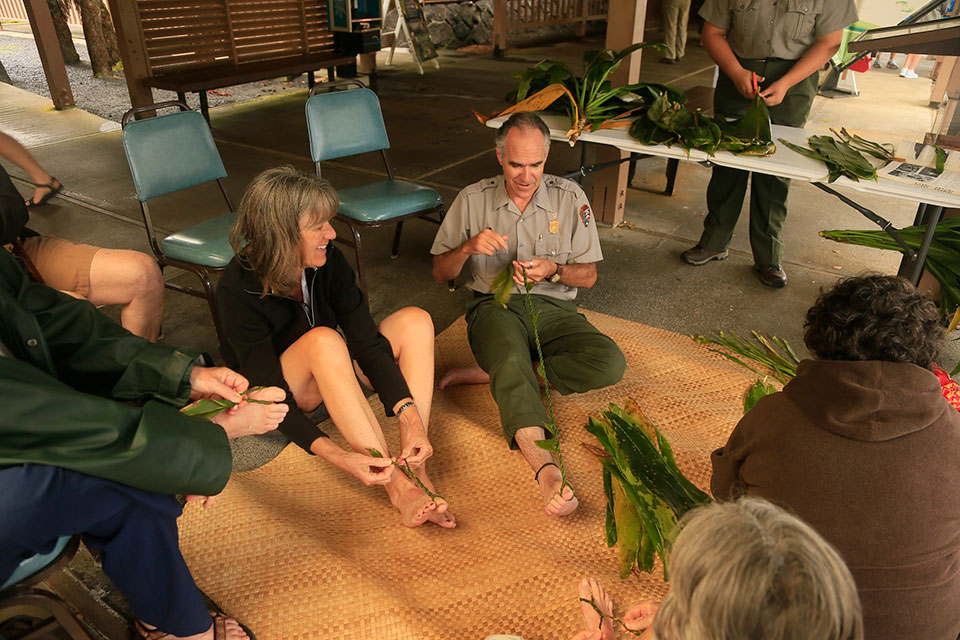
(592, 101)
(843, 155)
(773, 354)
(943, 260)
(646, 492)
(668, 122)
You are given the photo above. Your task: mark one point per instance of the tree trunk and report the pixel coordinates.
(3, 75)
(70, 55)
(109, 35)
(93, 34)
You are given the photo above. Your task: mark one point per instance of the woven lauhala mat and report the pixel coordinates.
(298, 549)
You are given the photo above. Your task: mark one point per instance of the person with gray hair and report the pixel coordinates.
(294, 318)
(744, 569)
(542, 226)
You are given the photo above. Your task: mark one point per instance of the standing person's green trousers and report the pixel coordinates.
(768, 194)
(577, 357)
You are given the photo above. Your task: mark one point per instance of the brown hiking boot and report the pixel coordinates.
(771, 275)
(698, 256)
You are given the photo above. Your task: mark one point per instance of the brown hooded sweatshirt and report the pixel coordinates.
(868, 453)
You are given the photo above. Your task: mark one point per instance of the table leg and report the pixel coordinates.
(912, 267)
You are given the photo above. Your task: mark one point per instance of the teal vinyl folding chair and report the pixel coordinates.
(169, 153)
(347, 123)
(19, 590)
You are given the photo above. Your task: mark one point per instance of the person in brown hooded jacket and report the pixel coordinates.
(862, 445)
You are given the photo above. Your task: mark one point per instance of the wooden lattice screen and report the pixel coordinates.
(179, 34)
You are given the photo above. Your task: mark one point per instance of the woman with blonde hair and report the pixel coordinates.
(293, 317)
(740, 570)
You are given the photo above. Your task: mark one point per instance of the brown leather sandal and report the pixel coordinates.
(219, 629)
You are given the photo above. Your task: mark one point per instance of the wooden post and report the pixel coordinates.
(133, 52)
(582, 24)
(625, 20)
(48, 46)
(499, 27)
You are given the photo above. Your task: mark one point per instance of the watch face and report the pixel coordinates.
(555, 278)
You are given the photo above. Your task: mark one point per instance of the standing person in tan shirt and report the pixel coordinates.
(784, 43)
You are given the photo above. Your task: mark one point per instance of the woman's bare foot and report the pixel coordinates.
(231, 631)
(441, 516)
(416, 507)
(464, 375)
(252, 417)
(555, 502)
(591, 591)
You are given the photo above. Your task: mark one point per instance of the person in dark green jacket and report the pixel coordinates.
(92, 441)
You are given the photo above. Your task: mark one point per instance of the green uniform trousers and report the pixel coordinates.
(577, 357)
(768, 194)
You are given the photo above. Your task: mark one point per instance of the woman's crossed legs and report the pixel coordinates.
(318, 368)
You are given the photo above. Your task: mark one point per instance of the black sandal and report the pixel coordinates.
(54, 190)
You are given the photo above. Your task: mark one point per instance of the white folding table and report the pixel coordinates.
(785, 163)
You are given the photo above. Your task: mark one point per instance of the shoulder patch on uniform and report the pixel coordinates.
(585, 215)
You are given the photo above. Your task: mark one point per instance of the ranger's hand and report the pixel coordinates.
(486, 243)
(535, 270)
(743, 80)
(775, 93)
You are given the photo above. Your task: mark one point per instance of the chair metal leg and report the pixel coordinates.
(211, 300)
(396, 240)
(356, 248)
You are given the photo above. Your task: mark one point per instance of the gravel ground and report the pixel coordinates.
(108, 97)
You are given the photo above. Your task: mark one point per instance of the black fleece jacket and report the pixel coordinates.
(256, 330)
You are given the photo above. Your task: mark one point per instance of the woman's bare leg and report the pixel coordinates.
(411, 335)
(318, 368)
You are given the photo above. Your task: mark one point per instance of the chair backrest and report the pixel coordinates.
(345, 123)
(171, 152)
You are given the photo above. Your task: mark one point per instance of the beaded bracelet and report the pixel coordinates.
(404, 407)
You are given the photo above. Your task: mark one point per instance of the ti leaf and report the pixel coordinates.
(628, 530)
(502, 286)
(757, 390)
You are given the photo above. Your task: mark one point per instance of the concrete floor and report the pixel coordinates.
(436, 140)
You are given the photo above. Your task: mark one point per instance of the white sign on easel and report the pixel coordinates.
(410, 21)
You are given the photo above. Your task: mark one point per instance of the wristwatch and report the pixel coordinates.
(555, 278)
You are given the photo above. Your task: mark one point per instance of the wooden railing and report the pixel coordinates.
(511, 15)
(13, 10)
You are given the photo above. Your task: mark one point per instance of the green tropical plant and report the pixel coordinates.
(668, 122)
(592, 101)
(943, 259)
(843, 156)
(781, 360)
(646, 492)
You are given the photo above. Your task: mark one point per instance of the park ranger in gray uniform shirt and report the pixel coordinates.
(544, 226)
(784, 42)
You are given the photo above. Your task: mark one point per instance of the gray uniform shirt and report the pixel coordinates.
(777, 28)
(557, 225)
